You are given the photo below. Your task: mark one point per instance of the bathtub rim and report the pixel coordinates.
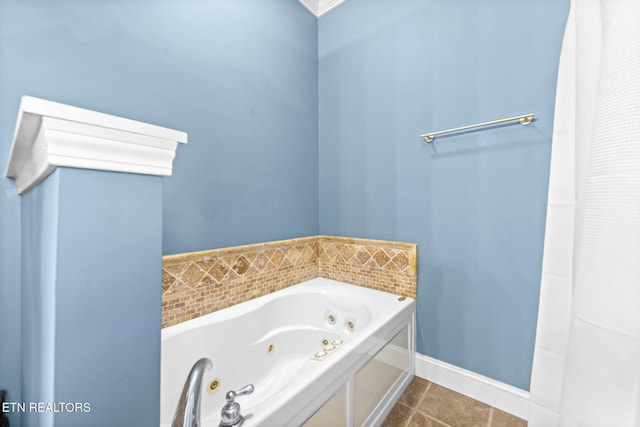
(253, 304)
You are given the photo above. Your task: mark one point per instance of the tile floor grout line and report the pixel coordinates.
(424, 413)
(431, 417)
(419, 401)
(415, 409)
(413, 412)
(424, 393)
(439, 421)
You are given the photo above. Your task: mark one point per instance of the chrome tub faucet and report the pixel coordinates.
(188, 410)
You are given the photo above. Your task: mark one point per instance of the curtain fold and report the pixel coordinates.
(586, 369)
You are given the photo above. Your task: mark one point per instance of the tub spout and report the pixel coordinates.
(188, 410)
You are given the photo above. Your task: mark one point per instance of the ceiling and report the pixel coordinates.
(320, 7)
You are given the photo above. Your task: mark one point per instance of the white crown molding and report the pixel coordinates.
(49, 134)
(320, 7)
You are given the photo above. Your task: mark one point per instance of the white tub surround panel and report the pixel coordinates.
(49, 134)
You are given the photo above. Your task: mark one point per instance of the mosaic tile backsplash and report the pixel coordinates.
(198, 283)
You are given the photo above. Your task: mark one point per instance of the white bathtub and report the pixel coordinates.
(270, 342)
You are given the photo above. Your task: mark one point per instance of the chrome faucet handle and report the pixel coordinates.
(230, 414)
(248, 389)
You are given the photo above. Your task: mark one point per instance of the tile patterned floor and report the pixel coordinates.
(425, 404)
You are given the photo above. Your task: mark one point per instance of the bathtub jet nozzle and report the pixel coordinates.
(230, 414)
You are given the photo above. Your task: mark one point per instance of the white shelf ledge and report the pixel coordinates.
(49, 134)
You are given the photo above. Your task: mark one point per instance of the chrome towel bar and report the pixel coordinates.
(524, 119)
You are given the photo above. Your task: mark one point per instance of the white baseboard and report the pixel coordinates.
(487, 390)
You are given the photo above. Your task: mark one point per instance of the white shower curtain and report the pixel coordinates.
(586, 368)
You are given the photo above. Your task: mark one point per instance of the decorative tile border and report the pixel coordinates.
(376, 264)
(198, 283)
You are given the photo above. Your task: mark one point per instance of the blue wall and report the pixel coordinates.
(108, 302)
(475, 203)
(90, 328)
(239, 76)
